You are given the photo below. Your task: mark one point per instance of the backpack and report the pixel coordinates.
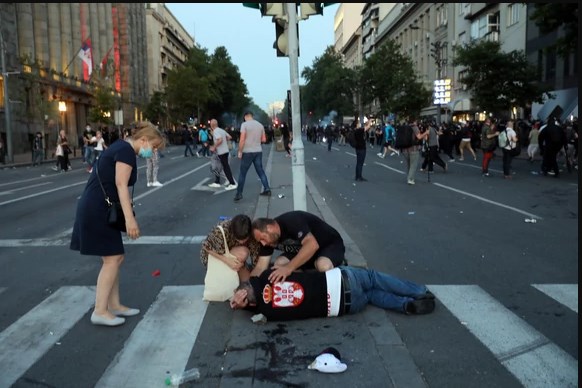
(404, 137)
(351, 137)
(502, 139)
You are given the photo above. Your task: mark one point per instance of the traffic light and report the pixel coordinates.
(272, 9)
(308, 9)
(281, 37)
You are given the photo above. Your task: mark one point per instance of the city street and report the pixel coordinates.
(506, 287)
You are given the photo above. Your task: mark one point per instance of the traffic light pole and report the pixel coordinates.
(298, 155)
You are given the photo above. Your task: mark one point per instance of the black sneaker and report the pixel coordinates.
(266, 193)
(426, 295)
(237, 197)
(420, 306)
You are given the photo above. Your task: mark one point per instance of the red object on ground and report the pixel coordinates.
(156, 273)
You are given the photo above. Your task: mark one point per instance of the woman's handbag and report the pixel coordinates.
(115, 216)
(220, 280)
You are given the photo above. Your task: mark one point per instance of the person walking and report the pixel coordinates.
(533, 146)
(552, 140)
(339, 291)
(360, 147)
(63, 151)
(93, 236)
(250, 151)
(99, 147)
(412, 153)
(37, 150)
(510, 144)
(432, 154)
(286, 133)
(220, 147)
(204, 141)
(152, 168)
(187, 139)
(489, 133)
(466, 135)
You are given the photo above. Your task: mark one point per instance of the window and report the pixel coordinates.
(550, 64)
(461, 8)
(441, 16)
(512, 14)
(484, 25)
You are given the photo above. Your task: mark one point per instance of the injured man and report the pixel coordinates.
(339, 291)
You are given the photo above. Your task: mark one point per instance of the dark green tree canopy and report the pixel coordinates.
(389, 76)
(551, 16)
(328, 86)
(498, 80)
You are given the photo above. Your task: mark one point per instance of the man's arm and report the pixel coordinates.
(309, 246)
(241, 143)
(261, 265)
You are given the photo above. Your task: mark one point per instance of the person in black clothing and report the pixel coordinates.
(337, 292)
(37, 150)
(360, 141)
(432, 155)
(305, 240)
(551, 139)
(286, 138)
(187, 139)
(329, 134)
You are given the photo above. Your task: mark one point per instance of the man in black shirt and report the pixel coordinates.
(339, 291)
(360, 146)
(305, 240)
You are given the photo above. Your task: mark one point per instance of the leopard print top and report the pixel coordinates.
(215, 242)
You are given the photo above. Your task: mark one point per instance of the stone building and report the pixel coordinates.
(49, 85)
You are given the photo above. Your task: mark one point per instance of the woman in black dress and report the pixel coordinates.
(92, 235)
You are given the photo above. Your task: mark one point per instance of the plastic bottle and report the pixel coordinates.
(188, 375)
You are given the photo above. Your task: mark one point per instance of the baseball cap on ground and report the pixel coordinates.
(328, 361)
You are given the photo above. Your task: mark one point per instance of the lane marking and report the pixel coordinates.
(390, 168)
(42, 193)
(566, 294)
(65, 241)
(24, 188)
(531, 357)
(161, 342)
(26, 340)
(528, 214)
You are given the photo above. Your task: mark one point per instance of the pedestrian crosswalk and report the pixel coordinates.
(165, 336)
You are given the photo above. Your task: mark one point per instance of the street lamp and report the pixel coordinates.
(63, 110)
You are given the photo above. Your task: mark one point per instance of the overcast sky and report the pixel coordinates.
(249, 37)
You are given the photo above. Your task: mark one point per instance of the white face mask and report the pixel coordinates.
(87, 128)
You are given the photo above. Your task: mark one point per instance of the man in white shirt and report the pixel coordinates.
(250, 151)
(220, 147)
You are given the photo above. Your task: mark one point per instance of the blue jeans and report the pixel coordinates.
(89, 155)
(379, 289)
(256, 159)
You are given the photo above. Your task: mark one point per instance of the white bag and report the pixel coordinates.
(220, 280)
(59, 151)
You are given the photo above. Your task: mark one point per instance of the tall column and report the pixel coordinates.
(54, 37)
(39, 14)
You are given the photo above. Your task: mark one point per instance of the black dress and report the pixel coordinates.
(91, 233)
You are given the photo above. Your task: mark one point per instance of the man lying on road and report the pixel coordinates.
(339, 291)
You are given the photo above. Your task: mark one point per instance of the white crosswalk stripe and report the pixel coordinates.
(161, 342)
(27, 339)
(531, 357)
(165, 336)
(566, 294)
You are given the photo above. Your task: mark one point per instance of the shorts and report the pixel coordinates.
(388, 143)
(335, 252)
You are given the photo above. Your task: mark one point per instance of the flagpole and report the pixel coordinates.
(74, 56)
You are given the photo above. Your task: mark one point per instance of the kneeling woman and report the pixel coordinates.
(241, 244)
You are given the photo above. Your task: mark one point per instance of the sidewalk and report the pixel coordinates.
(278, 353)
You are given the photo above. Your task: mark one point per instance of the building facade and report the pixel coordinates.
(168, 45)
(58, 55)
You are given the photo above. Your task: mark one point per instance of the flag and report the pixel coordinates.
(85, 55)
(103, 64)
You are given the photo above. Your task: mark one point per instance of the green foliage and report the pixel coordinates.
(156, 111)
(328, 86)
(389, 76)
(550, 16)
(104, 101)
(498, 80)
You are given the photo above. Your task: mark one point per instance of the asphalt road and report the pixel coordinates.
(504, 286)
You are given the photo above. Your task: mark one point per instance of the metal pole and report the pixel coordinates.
(298, 159)
(6, 100)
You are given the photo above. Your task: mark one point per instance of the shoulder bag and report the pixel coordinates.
(115, 216)
(220, 280)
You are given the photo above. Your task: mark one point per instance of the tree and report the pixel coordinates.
(498, 80)
(389, 76)
(328, 86)
(551, 16)
(103, 101)
(156, 110)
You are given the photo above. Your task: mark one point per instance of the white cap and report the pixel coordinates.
(328, 362)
